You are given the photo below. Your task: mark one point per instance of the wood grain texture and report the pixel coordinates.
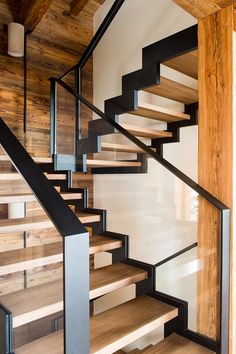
(174, 91)
(235, 17)
(38, 256)
(77, 6)
(127, 322)
(31, 257)
(109, 163)
(175, 344)
(146, 132)
(32, 11)
(120, 147)
(36, 159)
(23, 198)
(186, 64)
(18, 177)
(215, 154)
(38, 222)
(56, 44)
(203, 8)
(155, 112)
(39, 301)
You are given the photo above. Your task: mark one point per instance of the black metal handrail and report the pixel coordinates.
(75, 242)
(97, 37)
(177, 254)
(224, 213)
(192, 184)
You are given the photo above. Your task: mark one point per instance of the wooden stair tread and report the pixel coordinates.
(87, 217)
(159, 113)
(120, 148)
(127, 323)
(103, 243)
(29, 197)
(186, 64)
(175, 344)
(110, 278)
(38, 256)
(36, 159)
(174, 91)
(107, 163)
(38, 222)
(146, 132)
(17, 176)
(53, 344)
(33, 303)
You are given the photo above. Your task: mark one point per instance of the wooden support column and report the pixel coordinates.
(216, 133)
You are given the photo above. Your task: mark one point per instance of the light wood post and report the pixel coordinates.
(216, 147)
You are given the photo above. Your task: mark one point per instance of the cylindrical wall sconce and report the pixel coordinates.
(16, 37)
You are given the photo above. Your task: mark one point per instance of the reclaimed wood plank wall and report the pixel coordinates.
(56, 44)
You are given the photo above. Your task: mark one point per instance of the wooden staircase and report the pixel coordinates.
(127, 322)
(148, 80)
(34, 303)
(121, 325)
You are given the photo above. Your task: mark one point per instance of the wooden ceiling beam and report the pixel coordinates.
(32, 11)
(77, 6)
(203, 8)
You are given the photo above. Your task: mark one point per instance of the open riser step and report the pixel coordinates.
(182, 59)
(40, 301)
(127, 322)
(43, 298)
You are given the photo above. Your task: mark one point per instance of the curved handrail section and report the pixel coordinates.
(57, 210)
(182, 176)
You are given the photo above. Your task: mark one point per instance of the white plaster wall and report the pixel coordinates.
(155, 209)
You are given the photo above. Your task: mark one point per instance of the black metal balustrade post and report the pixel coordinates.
(53, 116)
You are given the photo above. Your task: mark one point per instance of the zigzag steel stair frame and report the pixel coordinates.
(114, 107)
(179, 324)
(152, 56)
